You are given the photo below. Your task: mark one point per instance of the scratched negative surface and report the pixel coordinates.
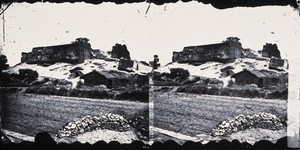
(226, 76)
(140, 71)
(76, 71)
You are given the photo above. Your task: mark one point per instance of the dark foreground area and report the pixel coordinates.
(44, 141)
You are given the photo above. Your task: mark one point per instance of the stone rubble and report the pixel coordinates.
(85, 124)
(141, 124)
(242, 122)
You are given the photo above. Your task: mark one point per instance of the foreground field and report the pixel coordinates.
(192, 114)
(31, 113)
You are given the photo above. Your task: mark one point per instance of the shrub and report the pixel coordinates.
(3, 61)
(45, 90)
(278, 94)
(8, 90)
(193, 89)
(213, 90)
(196, 89)
(79, 84)
(142, 96)
(200, 89)
(225, 92)
(181, 89)
(262, 94)
(179, 72)
(28, 74)
(236, 90)
(31, 90)
(123, 95)
(62, 82)
(214, 81)
(61, 91)
(4, 76)
(75, 93)
(230, 83)
(165, 83)
(101, 94)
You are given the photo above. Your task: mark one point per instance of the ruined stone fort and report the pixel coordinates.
(76, 52)
(226, 51)
(221, 52)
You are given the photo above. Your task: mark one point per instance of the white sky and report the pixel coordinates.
(162, 30)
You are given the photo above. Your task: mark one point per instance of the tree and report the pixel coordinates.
(155, 62)
(3, 61)
(83, 41)
(28, 75)
(180, 73)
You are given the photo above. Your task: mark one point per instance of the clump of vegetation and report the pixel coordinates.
(61, 88)
(209, 81)
(138, 95)
(63, 91)
(236, 91)
(278, 94)
(28, 75)
(179, 74)
(45, 90)
(3, 63)
(175, 77)
(24, 78)
(79, 84)
(6, 79)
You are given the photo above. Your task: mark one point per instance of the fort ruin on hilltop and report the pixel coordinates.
(226, 51)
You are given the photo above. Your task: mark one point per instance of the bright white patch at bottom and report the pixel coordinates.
(102, 135)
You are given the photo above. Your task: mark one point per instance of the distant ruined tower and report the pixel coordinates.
(119, 51)
(155, 63)
(270, 50)
(236, 46)
(85, 48)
